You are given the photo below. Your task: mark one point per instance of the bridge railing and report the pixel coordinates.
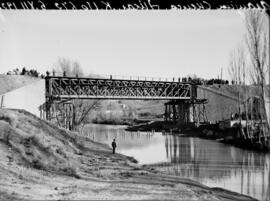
(119, 77)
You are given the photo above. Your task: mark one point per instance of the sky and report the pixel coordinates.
(128, 43)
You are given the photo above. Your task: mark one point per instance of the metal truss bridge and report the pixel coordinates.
(92, 88)
(60, 91)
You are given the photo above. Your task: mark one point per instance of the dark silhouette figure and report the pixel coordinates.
(113, 146)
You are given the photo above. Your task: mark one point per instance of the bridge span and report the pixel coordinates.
(58, 88)
(183, 105)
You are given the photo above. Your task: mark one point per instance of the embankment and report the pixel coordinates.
(40, 161)
(22, 92)
(11, 82)
(223, 99)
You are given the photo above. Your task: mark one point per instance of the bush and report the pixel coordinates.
(32, 72)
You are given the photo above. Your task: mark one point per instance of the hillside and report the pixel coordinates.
(223, 99)
(11, 82)
(40, 161)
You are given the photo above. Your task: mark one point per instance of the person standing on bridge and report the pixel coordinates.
(113, 146)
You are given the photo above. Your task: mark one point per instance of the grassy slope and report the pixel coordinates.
(40, 161)
(11, 82)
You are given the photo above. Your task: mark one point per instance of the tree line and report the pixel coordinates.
(24, 71)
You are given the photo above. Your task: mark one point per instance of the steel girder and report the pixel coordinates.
(92, 88)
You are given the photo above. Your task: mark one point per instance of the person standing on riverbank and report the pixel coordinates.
(113, 146)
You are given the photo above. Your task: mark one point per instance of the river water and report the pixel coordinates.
(209, 162)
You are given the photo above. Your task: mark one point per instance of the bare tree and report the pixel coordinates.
(71, 68)
(237, 65)
(257, 44)
(256, 39)
(63, 65)
(82, 111)
(76, 69)
(81, 108)
(237, 72)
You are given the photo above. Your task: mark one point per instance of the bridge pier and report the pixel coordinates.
(59, 113)
(68, 115)
(177, 112)
(185, 111)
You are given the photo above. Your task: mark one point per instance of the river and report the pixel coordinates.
(208, 162)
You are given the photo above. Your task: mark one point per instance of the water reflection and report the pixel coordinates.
(216, 164)
(125, 139)
(146, 147)
(209, 162)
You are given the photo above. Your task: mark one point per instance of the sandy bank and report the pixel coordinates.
(40, 161)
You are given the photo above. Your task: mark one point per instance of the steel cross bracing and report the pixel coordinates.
(93, 88)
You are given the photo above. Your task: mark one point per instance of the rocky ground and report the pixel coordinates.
(40, 161)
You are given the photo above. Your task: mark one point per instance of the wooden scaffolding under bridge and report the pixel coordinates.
(61, 113)
(186, 111)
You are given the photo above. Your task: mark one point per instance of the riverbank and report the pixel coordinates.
(211, 131)
(40, 161)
